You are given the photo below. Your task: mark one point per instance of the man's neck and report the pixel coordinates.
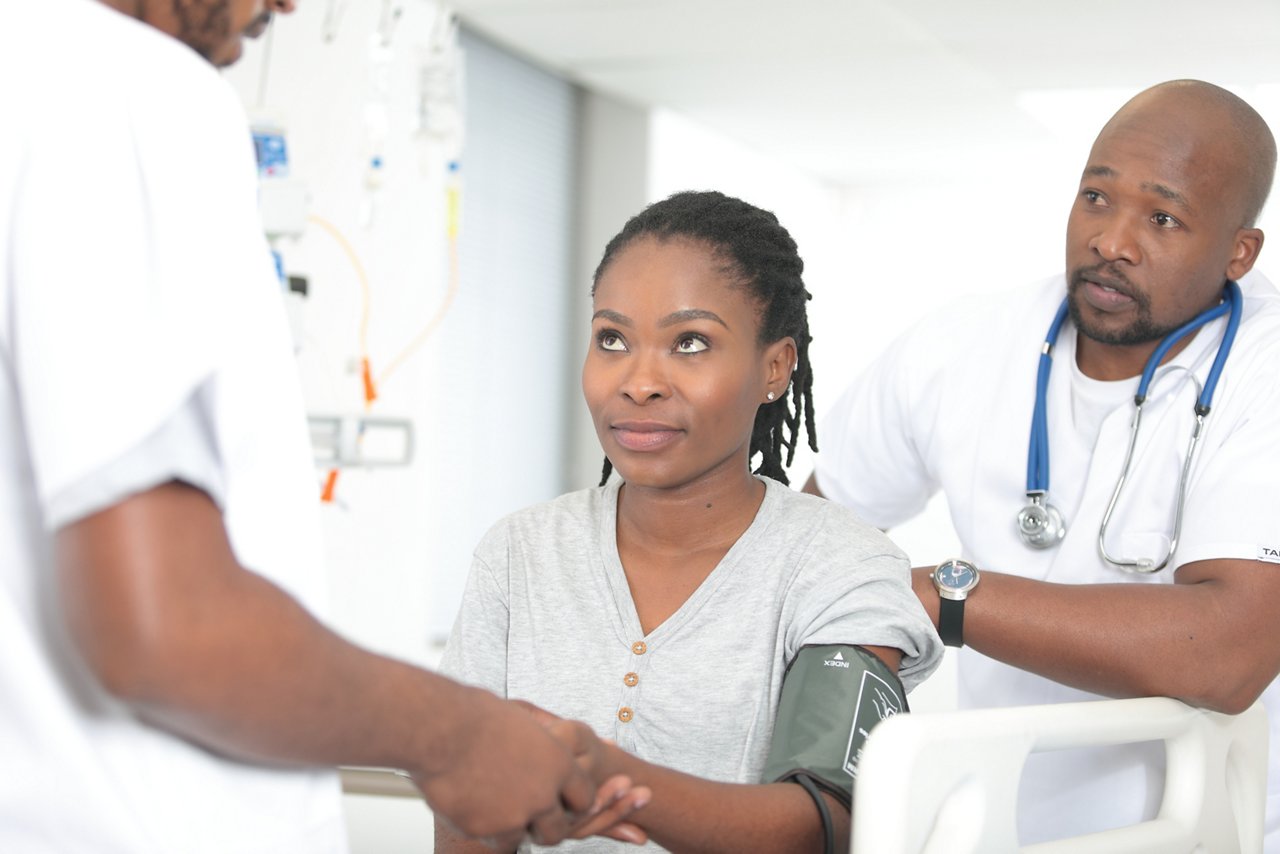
(1100, 361)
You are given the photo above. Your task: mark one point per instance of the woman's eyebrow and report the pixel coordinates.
(612, 316)
(690, 314)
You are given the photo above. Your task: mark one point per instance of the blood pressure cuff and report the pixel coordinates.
(832, 696)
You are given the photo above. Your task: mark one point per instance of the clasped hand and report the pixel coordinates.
(518, 772)
(616, 798)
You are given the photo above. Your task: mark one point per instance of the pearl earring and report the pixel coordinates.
(770, 395)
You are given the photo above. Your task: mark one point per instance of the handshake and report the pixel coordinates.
(518, 772)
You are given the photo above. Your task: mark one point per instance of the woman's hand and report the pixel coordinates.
(616, 797)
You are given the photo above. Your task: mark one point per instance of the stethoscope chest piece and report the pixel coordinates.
(1041, 525)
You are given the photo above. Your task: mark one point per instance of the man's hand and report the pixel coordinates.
(507, 778)
(616, 799)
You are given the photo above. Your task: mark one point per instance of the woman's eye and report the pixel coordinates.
(1093, 197)
(691, 344)
(1163, 220)
(611, 341)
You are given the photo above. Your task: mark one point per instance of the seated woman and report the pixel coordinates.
(665, 607)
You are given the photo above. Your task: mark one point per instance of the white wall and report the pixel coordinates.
(485, 390)
(319, 89)
(613, 185)
(497, 391)
(487, 393)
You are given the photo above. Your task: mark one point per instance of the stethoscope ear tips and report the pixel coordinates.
(1040, 525)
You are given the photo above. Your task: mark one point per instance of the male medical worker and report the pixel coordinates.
(1163, 220)
(164, 686)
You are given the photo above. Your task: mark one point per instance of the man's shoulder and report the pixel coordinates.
(996, 308)
(825, 522)
(1253, 367)
(1259, 331)
(103, 41)
(84, 61)
(978, 326)
(1261, 301)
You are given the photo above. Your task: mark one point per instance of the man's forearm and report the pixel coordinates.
(228, 659)
(272, 684)
(172, 624)
(1194, 641)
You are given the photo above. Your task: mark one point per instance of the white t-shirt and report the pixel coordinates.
(548, 617)
(948, 406)
(142, 339)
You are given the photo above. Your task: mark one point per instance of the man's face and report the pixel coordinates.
(215, 28)
(1153, 230)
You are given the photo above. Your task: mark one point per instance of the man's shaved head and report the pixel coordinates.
(1207, 115)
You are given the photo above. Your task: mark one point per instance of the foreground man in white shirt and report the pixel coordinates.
(164, 685)
(1163, 218)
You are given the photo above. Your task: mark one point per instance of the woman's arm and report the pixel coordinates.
(615, 800)
(692, 814)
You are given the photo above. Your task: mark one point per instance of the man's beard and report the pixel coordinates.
(203, 25)
(1141, 330)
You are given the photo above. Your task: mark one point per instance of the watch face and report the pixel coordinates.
(956, 575)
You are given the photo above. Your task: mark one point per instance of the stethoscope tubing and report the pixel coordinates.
(1204, 401)
(1038, 448)
(1038, 453)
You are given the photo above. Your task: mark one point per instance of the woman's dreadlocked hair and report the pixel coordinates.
(762, 255)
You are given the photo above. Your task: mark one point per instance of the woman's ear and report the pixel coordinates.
(780, 361)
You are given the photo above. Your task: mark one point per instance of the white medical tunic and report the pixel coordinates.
(142, 339)
(948, 406)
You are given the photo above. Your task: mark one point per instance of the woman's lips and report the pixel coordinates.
(644, 437)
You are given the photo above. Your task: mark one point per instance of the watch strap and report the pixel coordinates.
(951, 621)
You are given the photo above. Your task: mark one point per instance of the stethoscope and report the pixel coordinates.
(1040, 524)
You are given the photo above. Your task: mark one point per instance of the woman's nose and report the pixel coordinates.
(646, 380)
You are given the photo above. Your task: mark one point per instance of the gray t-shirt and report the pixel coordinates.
(547, 617)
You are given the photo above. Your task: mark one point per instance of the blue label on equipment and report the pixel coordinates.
(273, 157)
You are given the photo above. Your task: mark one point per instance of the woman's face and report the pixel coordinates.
(674, 374)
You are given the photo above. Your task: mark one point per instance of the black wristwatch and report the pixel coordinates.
(954, 580)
